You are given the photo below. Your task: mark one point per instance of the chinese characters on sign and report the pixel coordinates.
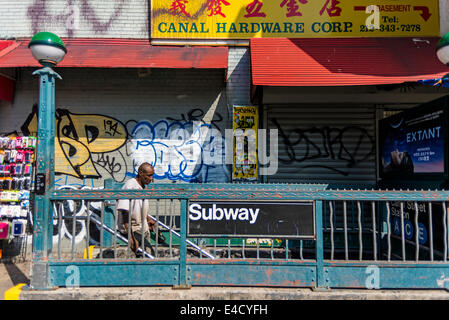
(254, 10)
(214, 7)
(179, 7)
(331, 6)
(292, 7)
(242, 19)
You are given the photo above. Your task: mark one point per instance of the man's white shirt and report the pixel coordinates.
(136, 209)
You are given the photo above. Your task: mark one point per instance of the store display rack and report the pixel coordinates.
(17, 158)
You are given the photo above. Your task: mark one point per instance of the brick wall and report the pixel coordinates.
(444, 17)
(75, 18)
(239, 76)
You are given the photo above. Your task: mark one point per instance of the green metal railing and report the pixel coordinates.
(357, 244)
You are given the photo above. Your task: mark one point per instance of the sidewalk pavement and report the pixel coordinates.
(12, 274)
(227, 293)
(14, 281)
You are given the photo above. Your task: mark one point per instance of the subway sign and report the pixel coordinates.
(243, 19)
(251, 219)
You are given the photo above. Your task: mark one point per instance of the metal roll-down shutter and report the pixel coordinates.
(334, 144)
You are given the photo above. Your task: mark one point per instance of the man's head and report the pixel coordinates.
(145, 174)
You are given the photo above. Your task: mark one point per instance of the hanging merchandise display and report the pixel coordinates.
(17, 156)
(5, 228)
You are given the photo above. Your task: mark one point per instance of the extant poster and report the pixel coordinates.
(413, 141)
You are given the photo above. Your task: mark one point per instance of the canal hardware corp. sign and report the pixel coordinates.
(251, 219)
(242, 19)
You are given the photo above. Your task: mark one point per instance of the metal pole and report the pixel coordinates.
(321, 282)
(184, 279)
(42, 237)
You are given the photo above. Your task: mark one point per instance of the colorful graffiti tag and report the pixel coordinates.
(191, 151)
(92, 147)
(69, 14)
(78, 138)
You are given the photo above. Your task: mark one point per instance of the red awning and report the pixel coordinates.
(6, 89)
(343, 62)
(6, 84)
(118, 53)
(5, 43)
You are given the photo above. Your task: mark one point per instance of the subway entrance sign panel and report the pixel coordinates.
(251, 219)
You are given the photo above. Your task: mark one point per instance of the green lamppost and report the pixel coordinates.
(49, 50)
(442, 49)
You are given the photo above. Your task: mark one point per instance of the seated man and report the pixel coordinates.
(138, 210)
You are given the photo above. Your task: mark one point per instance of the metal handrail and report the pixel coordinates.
(229, 191)
(384, 250)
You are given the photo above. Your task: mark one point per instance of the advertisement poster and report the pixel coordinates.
(427, 231)
(244, 19)
(413, 142)
(245, 162)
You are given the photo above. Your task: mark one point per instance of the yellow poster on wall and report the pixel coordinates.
(243, 19)
(245, 124)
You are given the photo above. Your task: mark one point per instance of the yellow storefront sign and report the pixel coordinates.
(243, 19)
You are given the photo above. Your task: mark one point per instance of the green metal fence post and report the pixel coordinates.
(321, 278)
(108, 217)
(184, 277)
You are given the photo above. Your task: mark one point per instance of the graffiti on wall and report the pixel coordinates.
(188, 151)
(83, 142)
(94, 146)
(326, 143)
(70, 13)
(197, 114)
(181, 149)
(65, 229)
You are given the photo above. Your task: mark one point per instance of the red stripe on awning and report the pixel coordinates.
(114, 53)
(6, 84)
(6, 89)
(343, 62)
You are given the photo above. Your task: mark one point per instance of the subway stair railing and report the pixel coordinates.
(372, 239)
